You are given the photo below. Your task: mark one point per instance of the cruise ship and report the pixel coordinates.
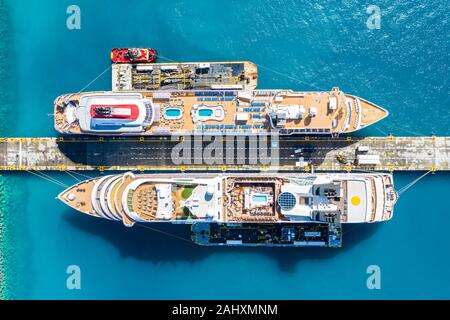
(239, 112)
(241, 209)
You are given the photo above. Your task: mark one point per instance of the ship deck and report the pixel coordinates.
(242, 188)
(184, 76)
(267, 234)
(237, 112)
(83, 191)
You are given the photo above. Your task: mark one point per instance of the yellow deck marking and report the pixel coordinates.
(355, 201)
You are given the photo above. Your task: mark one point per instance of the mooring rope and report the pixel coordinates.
(80, 174)
(95, 79)
(47, 178)
(165, 233)
(268, 69)
(73, 176)
(401, 191)
(409, 185)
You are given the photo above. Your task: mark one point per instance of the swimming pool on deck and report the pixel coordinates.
(205, 112)
(173, 113)
(259, 198)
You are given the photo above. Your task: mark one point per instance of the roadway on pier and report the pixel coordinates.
(156, 154)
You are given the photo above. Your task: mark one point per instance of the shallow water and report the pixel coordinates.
(300, 45)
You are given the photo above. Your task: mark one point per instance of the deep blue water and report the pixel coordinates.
(301, 45)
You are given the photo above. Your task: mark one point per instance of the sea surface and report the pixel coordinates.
(303, 45)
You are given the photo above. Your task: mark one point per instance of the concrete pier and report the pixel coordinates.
(157, 154)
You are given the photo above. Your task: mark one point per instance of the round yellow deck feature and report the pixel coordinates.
(355, 200)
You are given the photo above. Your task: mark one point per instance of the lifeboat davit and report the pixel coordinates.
(133, 55)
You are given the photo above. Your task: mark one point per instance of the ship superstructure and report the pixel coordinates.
(243, 200)
(211, 112)
(240, 75)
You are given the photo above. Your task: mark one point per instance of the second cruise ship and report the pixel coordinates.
(303, 209)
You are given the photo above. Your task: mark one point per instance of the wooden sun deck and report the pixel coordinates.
(82, 201)
(324, 117)
(144, 201)
(370, 113)
(234, 210)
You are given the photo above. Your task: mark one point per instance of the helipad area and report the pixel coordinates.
(357, 200)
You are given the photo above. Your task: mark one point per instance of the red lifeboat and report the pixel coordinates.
(133, 55)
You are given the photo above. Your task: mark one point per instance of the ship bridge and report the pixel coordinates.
(109, 113)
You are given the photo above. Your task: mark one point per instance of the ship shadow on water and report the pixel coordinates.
(149, 245)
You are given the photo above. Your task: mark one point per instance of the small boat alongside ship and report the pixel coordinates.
(236, 75)
(241, 209)
(240, 112)
(133, 55)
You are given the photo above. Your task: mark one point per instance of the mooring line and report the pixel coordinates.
(95, 79)
(49, 179)
(73, 176)
(268, 69)
(165, 233)
(80, 174)
(409, 185)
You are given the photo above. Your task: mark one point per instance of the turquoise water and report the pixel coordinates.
(304, 45)
(205, 112)
(259, 198)
(172, 113)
